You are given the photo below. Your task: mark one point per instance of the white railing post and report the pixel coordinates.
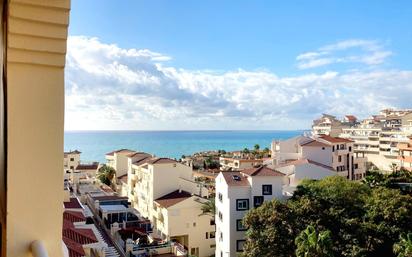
(38, 249)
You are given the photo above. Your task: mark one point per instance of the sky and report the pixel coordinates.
(220, 64)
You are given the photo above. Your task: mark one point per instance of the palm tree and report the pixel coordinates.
(208, 208)
(106, 174)
(257, 147)
(404, 247)
(310, 243)
(246, 151)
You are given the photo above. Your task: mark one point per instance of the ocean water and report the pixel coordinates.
(173, 144)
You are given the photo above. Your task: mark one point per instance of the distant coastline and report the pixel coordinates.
(168, 143)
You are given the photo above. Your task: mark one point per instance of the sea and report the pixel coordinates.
(173, 144)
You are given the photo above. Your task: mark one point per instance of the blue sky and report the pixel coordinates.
(194, 45)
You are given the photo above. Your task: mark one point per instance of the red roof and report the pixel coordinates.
(335, 139)
(141, 160)
(72, 204)
(139, 154)
(73, 216)
(173, 198)
(126, 151)
(262, 171)
(161, 160)
(315, 143)
(351, 117)
(235, 178)
(88, 166)
(123, 178)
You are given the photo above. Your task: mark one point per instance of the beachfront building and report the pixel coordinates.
(236, 193)
(377, 138)
(118, 160)
(319, 153)
(164, 191)
(71, 160)
(328, 125)
(405, 155)
(236, 164)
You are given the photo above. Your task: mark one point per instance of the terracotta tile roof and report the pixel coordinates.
(262, 171)
(335, 139)
(235, 179)
(173, 198)
(75, 249)
(106, 188)
(351, 117)
(141, 161)
(123, 178)
(88, 166)
(125, 151)
(161, 160)
(314, 143)
(73, 216)
(72, 204)
(139, 154)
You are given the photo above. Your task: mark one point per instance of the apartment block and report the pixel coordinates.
(164, 191)
(236, 193)
(378, 137)
(405, 154)
(71, 160)
(118, 160)
(332, 153)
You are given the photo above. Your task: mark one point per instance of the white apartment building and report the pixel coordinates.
(164, 191)
(71, 160)
(405, 154)
(236, 193)
(377, 138)
(118, 160)
(332, 153)
(236, 164)
(328, 125)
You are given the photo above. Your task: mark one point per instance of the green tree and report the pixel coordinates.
(106, 174)
(246, 151)
(257, 147)
(208, 207)
(403, 248)
(271, 230)
(310, 243)
(363, 221)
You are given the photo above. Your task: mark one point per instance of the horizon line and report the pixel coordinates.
(182, 130)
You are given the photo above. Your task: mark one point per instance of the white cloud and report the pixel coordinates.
(366, 52)
(108, 87)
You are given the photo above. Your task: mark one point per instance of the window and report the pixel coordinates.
(323, 148)
(220, 196)
(242, 204)
(207, 235)
(220, 216)
(239, 245)
(355, 166)
(339, 158)
(333, 148)
(194, 224)
(213, 246)
(350, 148)
(212, 222)
(72, 167)
(212, 234)
(257, 201)
(239, 226)
(266, 189)
(221, 254)
(221, 236)
(72, 159)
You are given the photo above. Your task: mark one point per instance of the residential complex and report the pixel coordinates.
(405, 154)
(377, 138)
(71, 160)
(326, 152)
